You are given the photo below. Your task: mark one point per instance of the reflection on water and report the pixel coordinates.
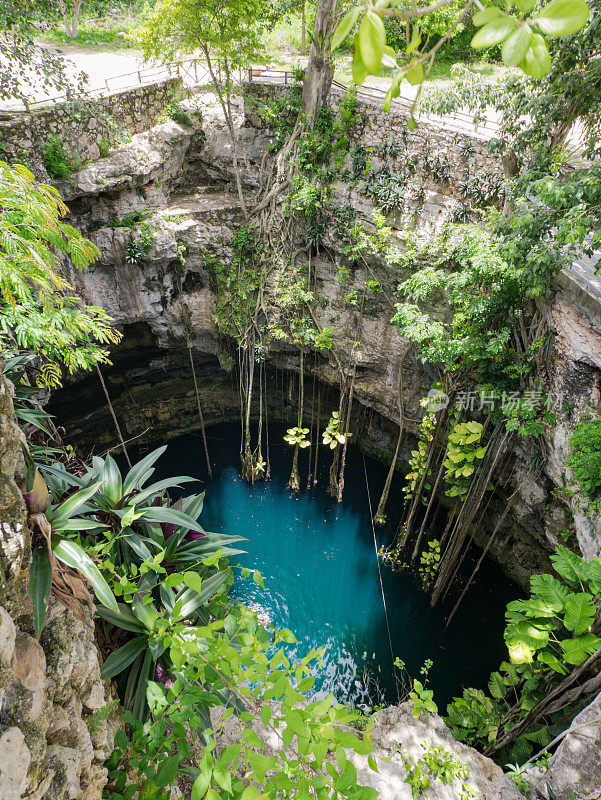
(321, 576)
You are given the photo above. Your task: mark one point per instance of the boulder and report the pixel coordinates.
(574, 770)
(400, 742)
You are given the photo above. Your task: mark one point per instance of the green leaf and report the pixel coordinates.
(550, 590)
(493, 32)
(552, 661)
(579, 649)
(360, 73)
(113, 483)
(191, 599)
(138, 705)
(571, 567)
(159, 487)
(345, 26)
(146, 613)
(594, 569)
(251, 738)
(141, 471)
(250, 793)
(295, 721)
(496, 686)
(526, 633)
(562, 17)
(516, 45)
(167, 771)
(200, 786)
(61, 514)
(371, 41)
(123, 618)
(537, 61)
(580, 612)
(222, 778)
(123, 657)
(486, 15)
(73, 556)
(193, 581)
(40, 583)
(394, 90)
(415, 74)
(265, 715)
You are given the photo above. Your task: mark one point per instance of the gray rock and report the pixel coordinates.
(14, 763)
(396, 733)
(574, 771)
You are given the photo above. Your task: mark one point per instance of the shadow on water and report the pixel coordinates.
(321, 574)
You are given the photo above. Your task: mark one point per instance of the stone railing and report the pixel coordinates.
(83, 126)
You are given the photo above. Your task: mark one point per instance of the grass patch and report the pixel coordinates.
(107, 32)
(58, 160)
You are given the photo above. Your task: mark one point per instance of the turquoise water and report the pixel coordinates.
(321, 575)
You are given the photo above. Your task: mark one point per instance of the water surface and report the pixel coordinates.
(322, 581)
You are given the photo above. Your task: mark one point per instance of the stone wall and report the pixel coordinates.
(56, 728)
(83, 126)
(431, 200)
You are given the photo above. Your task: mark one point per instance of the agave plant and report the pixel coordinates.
(163, 562)
(50, 522)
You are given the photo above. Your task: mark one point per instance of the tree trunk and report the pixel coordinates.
(71, 24)
(320, 69)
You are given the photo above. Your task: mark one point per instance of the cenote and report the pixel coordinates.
(321, 574)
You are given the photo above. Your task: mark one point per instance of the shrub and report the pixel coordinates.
(57, 160)
(175, 111)
(585, 456)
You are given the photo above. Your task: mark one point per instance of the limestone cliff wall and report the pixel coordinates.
(181, 178)
(56, 728)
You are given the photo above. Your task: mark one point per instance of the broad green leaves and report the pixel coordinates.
(562, 17)
(521, 46)
(514, 30)
(548, 635)
(580, 611)
(516, 45)
(71, 554)
(494, 32)
(345, 26)
(370, 42)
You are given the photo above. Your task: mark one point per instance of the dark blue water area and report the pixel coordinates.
(320, 568)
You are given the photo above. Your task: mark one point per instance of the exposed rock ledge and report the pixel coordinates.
(396, 731)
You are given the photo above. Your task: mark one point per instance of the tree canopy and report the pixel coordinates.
(37, 311)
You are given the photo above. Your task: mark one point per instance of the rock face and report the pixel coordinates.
(574, 770)
(56, 729)
(400, 742)
(181, 180)
(397, 733)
